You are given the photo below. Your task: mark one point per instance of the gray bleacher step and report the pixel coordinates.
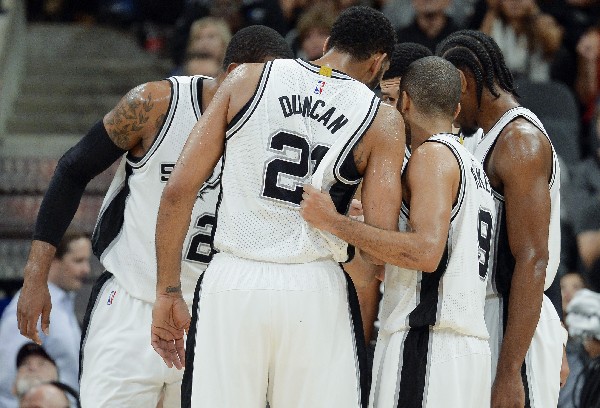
(75, 104)
(98, 67)
(43, 123)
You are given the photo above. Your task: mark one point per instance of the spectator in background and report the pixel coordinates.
(48, 395)
(201, 64)
(528, 38)
(313, 29)
(34, 366)
(582, 389)
(430, 25)
(570, 284)
(209, 35)
(587, 82)
(588, 240)
(69, 268)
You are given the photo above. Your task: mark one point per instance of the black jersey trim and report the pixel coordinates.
(415, 367)
(363, 373)
(353, 141)
(463, 180)
(315, 69)
(240, 118)
(136, 162)
(190, 348)
(535, 121)
(111, 219)
(196, 85)
(89, 311)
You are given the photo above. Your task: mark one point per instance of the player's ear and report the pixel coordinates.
(231, 67)
(404, 103)
(326, 46)
(463, 82)
(457, 111)
(377, 62)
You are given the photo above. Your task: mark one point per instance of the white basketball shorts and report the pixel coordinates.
(541, 368)
(119, 367)
(425, 368)
(286, 334)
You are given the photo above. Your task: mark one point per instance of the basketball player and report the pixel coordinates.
(276, 318)
(149, 127)
(404, 54)
(526, 336)
(433, 336)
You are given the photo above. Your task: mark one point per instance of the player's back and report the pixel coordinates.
(273, 147)
(124, 234)
(453, 296)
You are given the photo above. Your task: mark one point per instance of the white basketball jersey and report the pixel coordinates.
(273, 147)
(453, 296)
(502, 267)
(124, 235)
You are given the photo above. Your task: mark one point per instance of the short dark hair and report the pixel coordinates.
(63, 246)
(32, 349)
(405, 54)
(479, 53)
(433, 84)
(361, 32)
(254, 44)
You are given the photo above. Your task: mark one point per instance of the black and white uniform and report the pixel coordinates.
(541, 369)
(432, 348)
(279, 318)
(119, 366)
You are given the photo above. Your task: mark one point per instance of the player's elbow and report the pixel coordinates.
(535, 261)
(431, 255)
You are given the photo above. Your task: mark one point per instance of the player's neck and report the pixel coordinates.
(344, 63)
(492, 108)
(423, 129)
(209, 89)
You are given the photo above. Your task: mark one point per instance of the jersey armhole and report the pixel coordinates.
(137, 162)
(244, 114)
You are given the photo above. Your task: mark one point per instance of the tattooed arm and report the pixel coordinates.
(131, 126)
(138, 117)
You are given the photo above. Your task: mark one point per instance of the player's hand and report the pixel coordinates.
(170, 321)
(34, 301)
(356, 210)
(317, 208)
(508, 391)
(564, 369)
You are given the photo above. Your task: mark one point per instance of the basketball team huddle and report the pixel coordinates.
(232, 259)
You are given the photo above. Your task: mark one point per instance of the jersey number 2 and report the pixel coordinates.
(199, 248)
(484, 228)
(289, 170)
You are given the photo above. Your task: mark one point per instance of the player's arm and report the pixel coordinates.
(524, 169)
(135, 119)
(432, 177)
(203, 148)
(379, 157)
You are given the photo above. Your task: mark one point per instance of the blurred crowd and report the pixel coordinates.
(543, 42)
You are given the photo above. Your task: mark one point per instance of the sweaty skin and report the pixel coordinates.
(373, 157)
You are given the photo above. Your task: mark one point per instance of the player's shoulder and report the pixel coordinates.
(522, 141)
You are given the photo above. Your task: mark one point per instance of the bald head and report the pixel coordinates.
(434, 86)
(44, 396)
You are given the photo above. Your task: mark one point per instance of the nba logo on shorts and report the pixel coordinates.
(319, 87)
(111, 297)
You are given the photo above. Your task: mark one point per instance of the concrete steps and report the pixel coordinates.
(75, 74)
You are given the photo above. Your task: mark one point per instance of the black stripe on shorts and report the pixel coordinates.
(186, 383)
(359, 338)
(96, 289)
